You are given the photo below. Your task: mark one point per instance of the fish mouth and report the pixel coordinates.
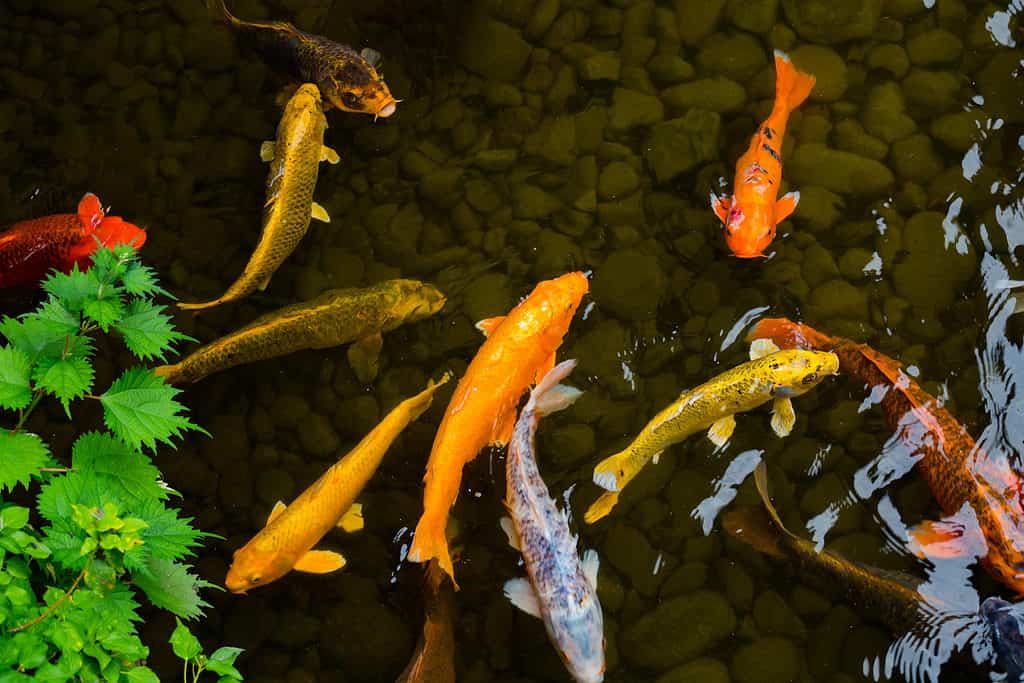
(386, 110)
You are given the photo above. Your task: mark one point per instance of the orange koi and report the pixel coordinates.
(519, 350)
(751, 214)
(433, 660)
(29, 249)
(285, 542)
(957, 472)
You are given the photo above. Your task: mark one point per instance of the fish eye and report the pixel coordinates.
(254, 579)
(810, 378)
(350, 99)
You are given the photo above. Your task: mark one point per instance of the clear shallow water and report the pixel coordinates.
(532, 140)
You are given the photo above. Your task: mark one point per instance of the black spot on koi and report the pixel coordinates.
(772, 152)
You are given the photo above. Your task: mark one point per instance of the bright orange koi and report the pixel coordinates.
(946, 456)
(520, 349)
(285, 542)
(751, 214)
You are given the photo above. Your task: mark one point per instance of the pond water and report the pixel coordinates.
(536, 137)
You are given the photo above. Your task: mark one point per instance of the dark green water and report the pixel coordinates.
(537, 137)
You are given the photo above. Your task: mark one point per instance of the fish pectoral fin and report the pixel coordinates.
(656, 457)
(352, 520)
(591, 563)
(721, 207)
(278, 508)
(267, 150)
(959, 535)
(721, 430)
(503, 427)
(320, 562)
(364, 357)
(90, 212)
(264, 283)
(759, 348)
(371, 56)
(520, 592)
(510, 532)
(544, 368)
(783, 416)
(488, 325)
(320, 213)
(329, 155)
(601, 507)
(786, 206)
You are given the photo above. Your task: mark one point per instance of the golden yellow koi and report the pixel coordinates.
(285, 542)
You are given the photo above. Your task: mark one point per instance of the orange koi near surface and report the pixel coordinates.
(30, 249)
(520, 349)
(957, 472)
(752, 213)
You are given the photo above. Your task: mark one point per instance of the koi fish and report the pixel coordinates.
(519, 350)
(946, 456)
(335, 317)
(559, 589)
(29, 249)
(285, 542)
(751, 214)
(294, 165)
(433, 661)
(349, 80)
(769, 375)
(1007, 625)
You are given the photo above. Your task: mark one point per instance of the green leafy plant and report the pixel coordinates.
(103, 533)
(221, 662)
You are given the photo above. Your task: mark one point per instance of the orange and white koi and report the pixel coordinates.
(752, 213)
(520, 348)
(285, 542)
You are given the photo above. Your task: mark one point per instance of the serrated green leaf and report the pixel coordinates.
(65, 378)
(139, 408)
(59, 319)
(121, 469)
(13, 517)
(21, 456)
(141, 280)
(72, 289)
(170, 586)
(147, 330)
(184, 644)
(105, 311)
(167, 536)
(15, 390)
(107, 265)
(58, 497)
(33, 336)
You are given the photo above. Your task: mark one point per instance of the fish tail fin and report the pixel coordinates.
(219, 10)
(765, 534)
(549, 396)
(791, 86)
(788, 334)
(610, 474)
(199, 306)
(429, 542)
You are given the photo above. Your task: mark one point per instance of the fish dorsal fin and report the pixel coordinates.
(90, 213)
(320, 213)
(591, 563)
(267, 150)
(352, 520)
(371, 56)
(489, 325)
(320, 562)
(786, 206)
(510, 532)
(520, 592)
(278, 508)
(759, 348)
(721, 430)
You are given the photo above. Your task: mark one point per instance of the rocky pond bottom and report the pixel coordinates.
(536, 137)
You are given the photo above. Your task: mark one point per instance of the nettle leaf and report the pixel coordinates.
(57, 317)
(106, 309)
(21, 456)
(139, 408)
(168, 536)
(122, 470)
(15, 390)
(72, 289)
(66, 378)
(33, 336)
(148, 332)
(184, 644)
(141, 280)
(170, 586)
(59, 496)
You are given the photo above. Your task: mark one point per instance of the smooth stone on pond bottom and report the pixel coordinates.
(630, 284)
(890, 57)
(714, 94)
(818, 265)
(828, 68)
(931, 272)
(768, 660)
(670, 69)
(841, 172)
(617, 179)
(677, 630)
(832, 21)
(631, 109)
(756, 16)
(819, 207)
(491, 48)
(774, 616)
(679, 145)
(959, 130)
(629, 552)
(850, 136)
(933, 92)
(915, 158)
(738, 56)
(935, 46)
(697, 19)
(571, 444)
(383, 645)
(884, 114)
(601, 66)
(318, 436)
(704, 670)
(838, 299)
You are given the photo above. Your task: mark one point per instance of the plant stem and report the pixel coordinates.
(27, 411)
(59, 470)
(52, 607)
